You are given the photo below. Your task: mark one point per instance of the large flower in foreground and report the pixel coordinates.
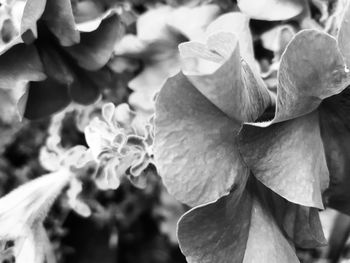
(59, 60)
(206, 159)
(311, 109)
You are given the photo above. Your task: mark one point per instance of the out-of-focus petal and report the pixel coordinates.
(33, 10)
(344, 35)
(192, 139)
(233, 229)
(92, 24)
(152, 25)
(150, 80)
(20, 63)
(277, 39)
(218, 72)
(305, 78)
(192, 21)
(272, 10)
(29, 203)
(60, 20)
(92, 53)
(335, 131)
(288, 158)
(45, 98)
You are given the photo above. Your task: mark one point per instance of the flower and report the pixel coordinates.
(212, 155)
(159, 31)
(116, 147)
(272, 10)
(55, 60)
(22, 213)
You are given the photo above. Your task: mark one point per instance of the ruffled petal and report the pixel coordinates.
(92, 53)
(306, 77)
(335, 130)
(233, 229)
(288, 158)
(192, 139)
(217, 71)
(271, 10)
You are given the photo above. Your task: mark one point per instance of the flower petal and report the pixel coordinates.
(271, 10)
(192, 139)
(216, 232)
(191, 22)
(335, 130)
(95, 48)
(344, 34)
(306, 78)
(288, 158)
(303, 225)
(214, 72)
(238, 24)
(20, 63)
(233, 229)
(33, 10)
(29, 203)
(60, 20)
(45, 98)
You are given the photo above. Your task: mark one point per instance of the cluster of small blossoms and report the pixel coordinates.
(117, 147)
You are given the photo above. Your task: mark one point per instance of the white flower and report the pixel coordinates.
(22, 213)
(116, 146)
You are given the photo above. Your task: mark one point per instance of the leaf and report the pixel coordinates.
(95, 48)
(193, 138)
(236, 228)
(214, 72)
(271, 10)
(288, 158)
